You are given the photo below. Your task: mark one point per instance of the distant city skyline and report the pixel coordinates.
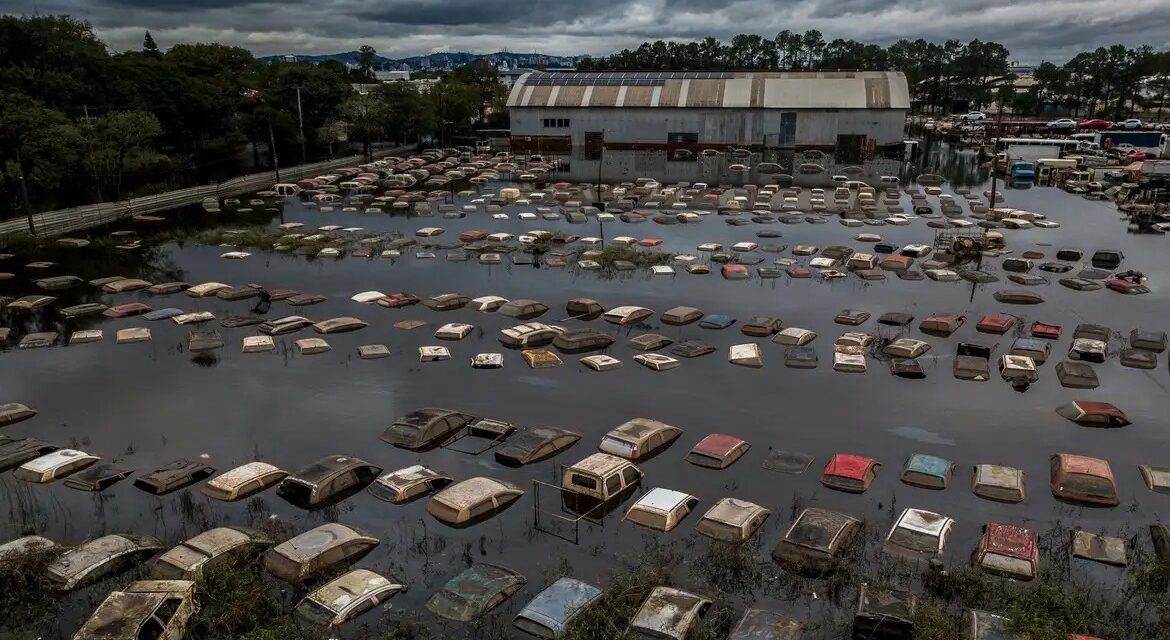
(1034, 31)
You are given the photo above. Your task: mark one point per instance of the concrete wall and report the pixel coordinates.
(718, 126)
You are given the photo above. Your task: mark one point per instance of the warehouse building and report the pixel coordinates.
(663, 123)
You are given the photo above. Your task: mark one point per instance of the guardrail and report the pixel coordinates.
(55, 223)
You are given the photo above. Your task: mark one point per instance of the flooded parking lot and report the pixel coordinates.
(149, 403)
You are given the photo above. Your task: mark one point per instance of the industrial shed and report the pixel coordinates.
(852, 118)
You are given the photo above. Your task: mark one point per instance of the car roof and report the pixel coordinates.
(340, 593)
(326, 467)
(731, 511)
(718, 445)
(51, 461)
(848, 465)
(601, 464)
(316, 541)
(242, 475)
(1010, 540)
(466, 493)
(1072, 463)
(922, 521)
(659, 499)
(638, 429)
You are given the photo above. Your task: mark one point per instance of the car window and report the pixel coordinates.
(331, 556)
(152, 629)
(342, 482)
(583, 481)
(481, 508)
(613, 483)
(630, 475)
(249, 487)
(438, 483)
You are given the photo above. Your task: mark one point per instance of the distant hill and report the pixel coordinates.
(446, 60)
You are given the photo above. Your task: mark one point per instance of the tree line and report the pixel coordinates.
(80, 124)
(1109, 82)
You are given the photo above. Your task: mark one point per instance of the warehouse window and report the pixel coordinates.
(556, 123)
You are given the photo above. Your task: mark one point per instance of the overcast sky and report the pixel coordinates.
(1034, 30)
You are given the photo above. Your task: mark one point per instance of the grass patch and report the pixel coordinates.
(641, 258)
(235, 600)
(26, 595)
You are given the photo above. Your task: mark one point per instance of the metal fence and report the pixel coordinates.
(55, 223)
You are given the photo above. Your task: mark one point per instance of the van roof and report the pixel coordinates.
(601, 464)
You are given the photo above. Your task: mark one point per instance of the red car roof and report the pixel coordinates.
(1072, 463)
(734, 268)
(1011, 541)
(718, 445)
(847, 465)
(1099, 409)
(996, 320)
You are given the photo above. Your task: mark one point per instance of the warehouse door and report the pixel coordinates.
(849, 149)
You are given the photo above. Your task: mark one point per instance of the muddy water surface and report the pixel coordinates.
(147, 404)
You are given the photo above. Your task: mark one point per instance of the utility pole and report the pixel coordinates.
(24, 194)
(272, 149)
(301, 127)
(998, 135)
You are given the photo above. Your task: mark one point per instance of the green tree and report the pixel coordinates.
(365, 58)
(36, 148)
(366, 117)
(149, 48)
(112, 139)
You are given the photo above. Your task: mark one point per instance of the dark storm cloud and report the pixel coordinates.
(1034, 30)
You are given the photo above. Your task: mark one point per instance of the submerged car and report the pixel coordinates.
(669, 613)
(717, 451)
(99, 477)
(173, 476)
(100, 558)
(408, 484)
(474, 592)
(243, 481)
(326, 481)
(1083, 480)
(732, 520)
(52, 466)
(344, 599)
(317, 551)
(816, 541)
(601, 477)
(425, 428)
(472, 500)
(639, 438)
(222, 546)
(156, 609)
(531, 445)
(531, 334)
(919, 534)
(1093, 414)
(661, 509)
(849, 473)
(549, 613)
(14, 453)
(1009, 551)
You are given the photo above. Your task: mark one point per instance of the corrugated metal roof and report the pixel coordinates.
(755, 90)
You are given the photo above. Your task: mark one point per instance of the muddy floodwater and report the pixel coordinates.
(147, 404)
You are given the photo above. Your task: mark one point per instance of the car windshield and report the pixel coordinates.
(1007, 564)
(610, 443)
(704, 460)
(1088, 485)
(843, 482)
(404, 431)
(314, 613)
(652, 519)
(914, 540)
